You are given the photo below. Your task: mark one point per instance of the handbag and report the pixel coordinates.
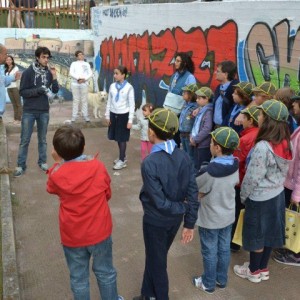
(174, 102)
(292, 229)
(238, 234)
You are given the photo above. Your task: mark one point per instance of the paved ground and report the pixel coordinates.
(41, 264)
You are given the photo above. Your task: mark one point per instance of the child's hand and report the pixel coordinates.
(192, 142)
(200, 196)
(55, 156)
(108, 122)
(187, 235)
(129, 125)
(195, 112)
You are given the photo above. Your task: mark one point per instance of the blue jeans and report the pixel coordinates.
(78, 260)
(187, 147)
(28, 120)
(215, 249)
(29, 19)
(158, 241)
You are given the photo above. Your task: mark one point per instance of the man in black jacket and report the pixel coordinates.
(37, 84)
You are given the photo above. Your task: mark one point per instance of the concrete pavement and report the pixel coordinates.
(42, 270)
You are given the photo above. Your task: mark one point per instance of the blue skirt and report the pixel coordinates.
(117, 129)
(264, 223)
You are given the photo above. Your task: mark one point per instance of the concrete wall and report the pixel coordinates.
(262, 37)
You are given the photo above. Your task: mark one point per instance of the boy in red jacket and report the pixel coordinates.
(83, 186)
(247, 138)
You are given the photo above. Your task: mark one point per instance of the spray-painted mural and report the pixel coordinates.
(146, 38)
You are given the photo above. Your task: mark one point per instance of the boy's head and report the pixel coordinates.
(250, 115)
(226, 71)
(204, 96)
(285, 95)
(264, 92)
(224, 140)
(68, 142)
(188, 92)
(242, 93)
(164, 123)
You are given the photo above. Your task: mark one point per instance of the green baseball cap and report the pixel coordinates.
(164, 119)
(267, 88)
(245, 86)
(275, 110)
(226, 137)
(296, 96)
(252, 111)
(190, 87)
(205, 92)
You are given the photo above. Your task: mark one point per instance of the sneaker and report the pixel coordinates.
(219, 285)
(243, 271)
(87, 120)
(120, 165)
(234, 247)
(18, 172)
(141, 297)
(44, 167)
(265, 274)
(117, 159)
(288, 259)
(120, 298)
(280, 251)
(197, 281)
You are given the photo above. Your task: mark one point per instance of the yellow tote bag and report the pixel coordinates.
(292, 230)
(238, 234)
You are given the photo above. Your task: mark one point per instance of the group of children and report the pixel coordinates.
(249, 168)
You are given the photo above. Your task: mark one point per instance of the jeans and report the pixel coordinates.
(27, 123)
(158, 241)
(215, 249)
(29, 19)
(187, 147)
(78, 260)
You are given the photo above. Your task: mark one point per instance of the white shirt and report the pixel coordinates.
(13, 73)
(80, 70)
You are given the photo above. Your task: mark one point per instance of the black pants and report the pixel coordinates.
(158, 241)
(238, 207)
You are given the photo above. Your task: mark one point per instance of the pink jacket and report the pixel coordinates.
(292, 180)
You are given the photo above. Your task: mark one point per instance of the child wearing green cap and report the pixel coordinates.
(247, 138)
(186, 118)
(262, 191)
(217, 209)
(169, 195)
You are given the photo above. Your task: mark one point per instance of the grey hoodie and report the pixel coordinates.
(265, 174)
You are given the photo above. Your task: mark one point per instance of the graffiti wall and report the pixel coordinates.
(263, 39)
(22, 43)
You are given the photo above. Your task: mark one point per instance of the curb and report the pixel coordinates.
(11, 289)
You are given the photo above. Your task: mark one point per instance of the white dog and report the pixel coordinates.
(97, 101)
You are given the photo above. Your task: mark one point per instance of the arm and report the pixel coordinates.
(205, 130)
(137, 126)
(295, 198)
(72, 71)
(108, 104)
(89, 74)
(131, 103)
(256, 170)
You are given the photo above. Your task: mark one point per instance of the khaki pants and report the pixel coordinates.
(12, 16)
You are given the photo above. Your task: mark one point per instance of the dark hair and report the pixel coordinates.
(68, 142)
(225, 151)
(255, 124)
(162, 135)
(246, 99)
(193, 96)
(272, 131)
(187, 63)
(42, 50)
(123, 70)
(78, 52)
(229, 67)
(6, 65)
(149, 106)
(284, 95)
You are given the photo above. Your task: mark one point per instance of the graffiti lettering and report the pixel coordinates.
(116, 12)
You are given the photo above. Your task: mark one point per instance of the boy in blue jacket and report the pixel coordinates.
(169, 195)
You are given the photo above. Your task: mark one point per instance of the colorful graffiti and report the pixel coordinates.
(270, 54)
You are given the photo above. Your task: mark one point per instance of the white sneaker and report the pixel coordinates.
(243, 271)
(117, 159)
(197, 281)
(265, 274)
(120, 165)
(44, 167)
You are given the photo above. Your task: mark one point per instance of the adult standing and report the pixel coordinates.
(13, 90)
(80, 72)
(5, 80)
(36, 81)
(14, 14)
(29, 5)
(223, 101)
(183, 76)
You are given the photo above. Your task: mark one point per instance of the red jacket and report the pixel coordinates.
(247, 139)
(83, 188)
